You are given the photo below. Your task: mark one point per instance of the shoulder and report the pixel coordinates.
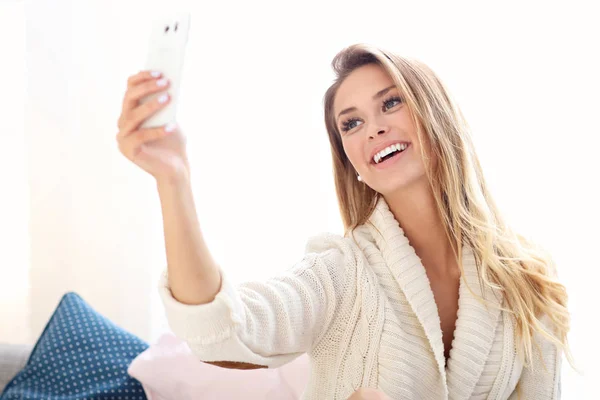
(331, 246)
(329, 252)
(328, 242)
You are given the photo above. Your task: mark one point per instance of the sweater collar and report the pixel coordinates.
(476, 324)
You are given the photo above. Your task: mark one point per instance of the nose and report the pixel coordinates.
(379, 126)
(380, 129)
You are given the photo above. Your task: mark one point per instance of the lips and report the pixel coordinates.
(385, 149)
(391, 160)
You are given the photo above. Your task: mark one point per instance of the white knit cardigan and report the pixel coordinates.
(365, 314)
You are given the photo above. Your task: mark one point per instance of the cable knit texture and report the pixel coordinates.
(363, 310)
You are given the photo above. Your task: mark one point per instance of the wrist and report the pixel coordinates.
(175, 181)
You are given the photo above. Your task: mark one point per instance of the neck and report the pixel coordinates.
(415, 209)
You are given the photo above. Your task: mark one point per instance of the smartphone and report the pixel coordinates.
(166, 52)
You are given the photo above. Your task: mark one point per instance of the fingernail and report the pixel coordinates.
(161, 82)
(170, 127)
(163, 98)
(155, 74)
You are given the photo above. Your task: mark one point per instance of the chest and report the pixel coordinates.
(418, 313)
(446, 295)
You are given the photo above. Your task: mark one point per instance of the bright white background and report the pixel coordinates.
(74, 215)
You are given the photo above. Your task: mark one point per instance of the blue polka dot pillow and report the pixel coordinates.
(80, 355)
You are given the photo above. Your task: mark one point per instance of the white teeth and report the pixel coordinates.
(396, 147)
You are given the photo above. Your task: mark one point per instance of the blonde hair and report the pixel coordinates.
(506, 260)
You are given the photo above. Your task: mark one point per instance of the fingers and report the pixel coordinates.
(135, 93)
(131, 144)
(140, 85)
(132, 120)
(142, 76)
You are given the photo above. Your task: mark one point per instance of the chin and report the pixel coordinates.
(400, 184)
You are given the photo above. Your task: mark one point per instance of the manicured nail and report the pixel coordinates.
(161, 82)
(170, 127)
(163, 98)
(155, 74)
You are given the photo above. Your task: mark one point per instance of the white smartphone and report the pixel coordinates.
(166, 51)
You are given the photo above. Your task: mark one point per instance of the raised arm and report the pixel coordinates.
(160, 151)
(260, 323)
(269, 323)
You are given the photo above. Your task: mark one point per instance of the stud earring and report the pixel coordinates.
(359, 178)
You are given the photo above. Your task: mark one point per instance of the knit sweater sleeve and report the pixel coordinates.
(267, 323)
(541, 379)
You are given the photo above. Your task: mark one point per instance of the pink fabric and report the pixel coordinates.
(169, 371)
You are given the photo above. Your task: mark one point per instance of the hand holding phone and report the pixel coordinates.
(148, 134)
(166, 51)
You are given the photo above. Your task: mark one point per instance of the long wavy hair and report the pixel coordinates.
(523, 272)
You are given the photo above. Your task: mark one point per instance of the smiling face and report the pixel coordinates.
(377, 130)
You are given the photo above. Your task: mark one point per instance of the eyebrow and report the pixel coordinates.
(375, 97)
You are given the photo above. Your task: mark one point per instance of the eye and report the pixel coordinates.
(350, 124)
(391, 102)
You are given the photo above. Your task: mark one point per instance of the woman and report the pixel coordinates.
(429, 295)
